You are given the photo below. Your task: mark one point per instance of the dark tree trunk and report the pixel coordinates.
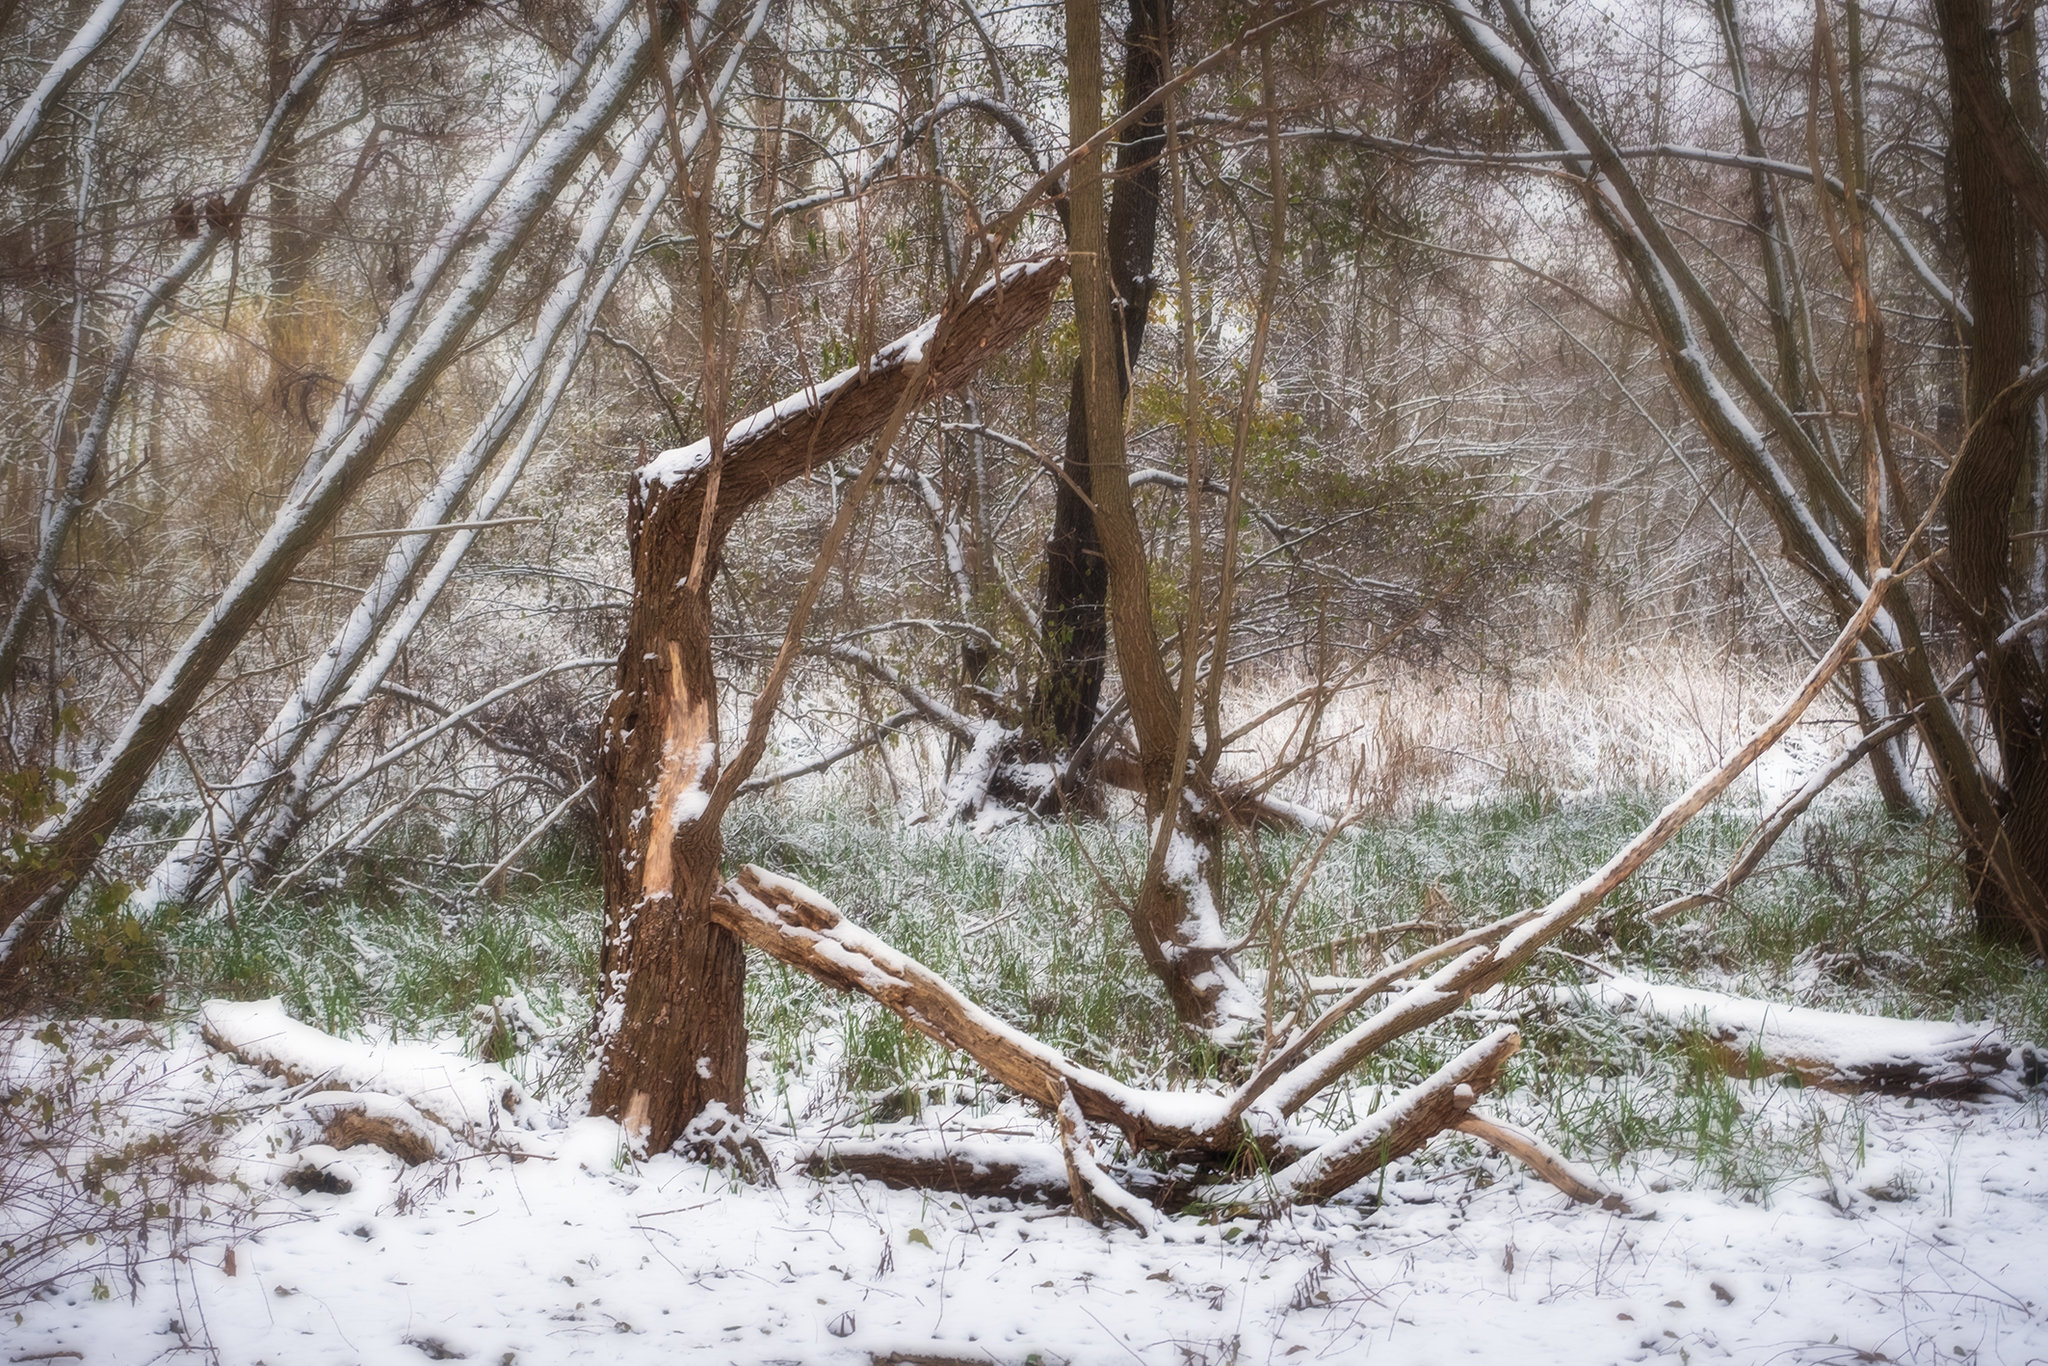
(1067, 699)
(1987, 478)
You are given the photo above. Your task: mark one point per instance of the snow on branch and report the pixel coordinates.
(786, 439)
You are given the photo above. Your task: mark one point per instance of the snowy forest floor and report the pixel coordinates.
(1768, 1223)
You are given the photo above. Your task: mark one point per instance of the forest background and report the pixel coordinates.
(1201, 449)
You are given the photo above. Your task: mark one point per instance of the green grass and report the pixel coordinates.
(1855, 911)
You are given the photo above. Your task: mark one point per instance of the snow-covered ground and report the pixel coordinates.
(1935, 1247)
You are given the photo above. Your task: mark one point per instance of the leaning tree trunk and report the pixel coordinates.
(361, 428)
(57, 79)
(1690, 328)
(285, 760)
(670, 1031)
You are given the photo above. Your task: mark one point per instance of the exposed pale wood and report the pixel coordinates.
(1096, 1195)
(670, 1023)
(1391, 1132)
(1538, 1157)
(792, 923)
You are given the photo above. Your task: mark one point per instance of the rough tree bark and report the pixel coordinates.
(1067, 695)
(669, 1020)
(1993, 463)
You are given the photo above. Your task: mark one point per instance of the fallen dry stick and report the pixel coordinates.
(1393, 1131)
(1538, 1157)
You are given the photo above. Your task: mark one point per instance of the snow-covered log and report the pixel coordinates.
(1830, 1049)
(1015, 1168)
(480, 1102)
(353, 1119)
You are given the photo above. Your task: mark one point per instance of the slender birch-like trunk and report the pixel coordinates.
(32, 896)
(28, 120)
(315, 717)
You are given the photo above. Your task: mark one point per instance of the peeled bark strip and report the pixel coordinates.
(670, 1015)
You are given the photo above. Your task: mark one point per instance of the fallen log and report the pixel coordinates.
(1016, 1169)
(1010, 1168)
(475, 1100)
(352, 1119)
(795, 924)
(803, 929)
(1833, 1050)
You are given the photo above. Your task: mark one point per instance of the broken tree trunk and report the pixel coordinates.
(670, 1033)
(798, 926)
